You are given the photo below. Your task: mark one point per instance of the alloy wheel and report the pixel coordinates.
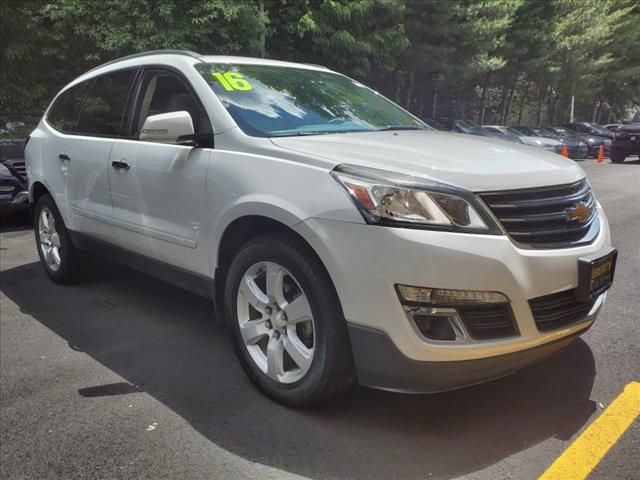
(276, 322)
(49, 239)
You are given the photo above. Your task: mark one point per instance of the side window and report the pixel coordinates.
(104, 111)
(164, 92)
(65, 111)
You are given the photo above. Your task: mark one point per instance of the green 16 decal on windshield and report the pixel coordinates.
(232, 81)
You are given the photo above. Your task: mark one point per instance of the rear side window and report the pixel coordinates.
(105, 111)
(65, 111)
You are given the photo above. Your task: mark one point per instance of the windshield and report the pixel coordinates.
(599, 129)
(566, 133)
(541, 132)
(272, 101)
(467, 124)
(513, 131)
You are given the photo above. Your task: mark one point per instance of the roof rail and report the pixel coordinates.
(152, 52)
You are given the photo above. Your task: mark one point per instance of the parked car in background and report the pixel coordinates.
(547, 143)
(594, 141)
(612, 126)
(14, 130)
(470, 127)
(589, 128)
(576, 147)
(626, 142)
(436, 124)
(483, 132)
(457, 124)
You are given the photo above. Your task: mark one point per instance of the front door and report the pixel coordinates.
(158, 189)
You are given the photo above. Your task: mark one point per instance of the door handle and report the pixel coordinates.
(64, 156)
(120, 165)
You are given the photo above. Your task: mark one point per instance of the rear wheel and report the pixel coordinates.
(57, 253)
(288, 328)
(617, 156)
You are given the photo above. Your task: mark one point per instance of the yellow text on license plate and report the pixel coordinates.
(601, 270)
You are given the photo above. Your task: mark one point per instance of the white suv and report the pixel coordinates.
(341, 238)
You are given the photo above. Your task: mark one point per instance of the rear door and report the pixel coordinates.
(83, 152)
(158, 199)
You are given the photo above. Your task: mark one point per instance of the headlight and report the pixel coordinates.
(5, 171)
(400, 200)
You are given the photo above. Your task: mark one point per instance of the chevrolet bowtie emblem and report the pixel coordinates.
(581, 212)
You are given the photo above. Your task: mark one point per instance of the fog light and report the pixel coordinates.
(443, 324)
(435, 327)
(438, 296)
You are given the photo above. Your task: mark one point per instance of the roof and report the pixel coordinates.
(213, 59)
(259, 61)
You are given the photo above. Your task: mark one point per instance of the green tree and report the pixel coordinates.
(363, 38)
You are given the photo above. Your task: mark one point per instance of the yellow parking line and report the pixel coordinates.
(584, 454)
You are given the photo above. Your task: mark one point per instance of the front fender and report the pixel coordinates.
(271, 207)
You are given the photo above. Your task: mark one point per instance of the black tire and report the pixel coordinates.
(331, 370)
(617, 156)
(67, 271)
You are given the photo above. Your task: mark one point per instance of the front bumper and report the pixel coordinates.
(13, 193)
(367, 261)
(381, 365)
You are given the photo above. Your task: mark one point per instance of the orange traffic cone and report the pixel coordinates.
(565, 151)
(601, 154)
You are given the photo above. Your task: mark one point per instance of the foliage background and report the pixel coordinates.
(495, 61)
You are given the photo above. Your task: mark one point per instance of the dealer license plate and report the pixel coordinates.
(595, 274)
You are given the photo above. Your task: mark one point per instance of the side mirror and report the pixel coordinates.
(167, 127)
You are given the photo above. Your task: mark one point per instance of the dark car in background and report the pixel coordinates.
(589, 129)
(594, 141)
(576, 147)
(626, 142)
(14, 131)
(436, 124)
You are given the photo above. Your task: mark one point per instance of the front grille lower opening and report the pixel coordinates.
(559, 310)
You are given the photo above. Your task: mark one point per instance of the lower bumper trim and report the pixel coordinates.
(20, 198)
(381, 365)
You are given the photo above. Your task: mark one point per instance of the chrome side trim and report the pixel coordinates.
(149, 232)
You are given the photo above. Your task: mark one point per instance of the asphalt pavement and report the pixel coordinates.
(123, 376)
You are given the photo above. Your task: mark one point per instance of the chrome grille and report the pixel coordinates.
(18, 167)
(540, 217)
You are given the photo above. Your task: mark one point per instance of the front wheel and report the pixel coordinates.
(289, 331)
(617, 156)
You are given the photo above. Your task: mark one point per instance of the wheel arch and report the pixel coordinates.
(242, 230)
(37, 190)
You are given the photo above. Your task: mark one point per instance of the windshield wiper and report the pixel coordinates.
(400, 127)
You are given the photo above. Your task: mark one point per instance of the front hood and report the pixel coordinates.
(471, 162)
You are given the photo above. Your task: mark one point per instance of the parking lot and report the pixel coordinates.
(123, 376)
